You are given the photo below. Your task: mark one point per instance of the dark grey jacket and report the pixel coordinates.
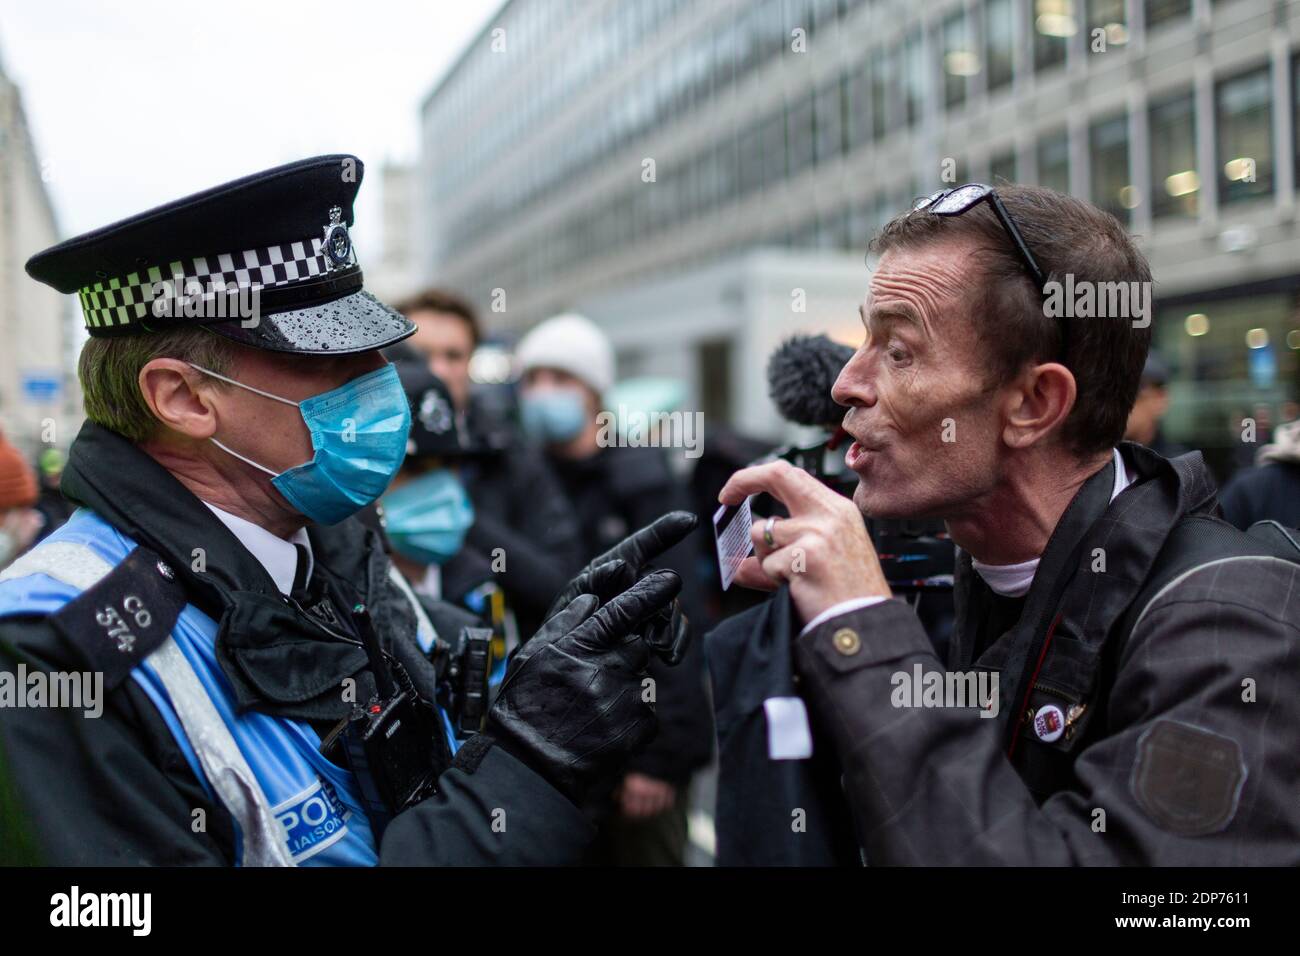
(1182, 743)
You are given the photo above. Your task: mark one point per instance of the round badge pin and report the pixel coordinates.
(1049, 723)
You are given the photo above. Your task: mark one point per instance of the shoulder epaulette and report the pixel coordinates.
(119, 621)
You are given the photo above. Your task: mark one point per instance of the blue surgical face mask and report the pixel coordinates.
(427, 518)
(553, 415)
(358, 433)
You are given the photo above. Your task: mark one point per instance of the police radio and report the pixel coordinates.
(393, 744)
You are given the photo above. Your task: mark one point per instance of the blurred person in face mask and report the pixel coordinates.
(426, 510)
(20, 522)
(568, 365)
(520, 513)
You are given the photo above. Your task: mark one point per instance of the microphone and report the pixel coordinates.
(800, 374)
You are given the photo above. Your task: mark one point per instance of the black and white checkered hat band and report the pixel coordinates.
(118, 302)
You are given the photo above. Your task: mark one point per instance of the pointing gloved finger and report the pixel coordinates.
(635, 551)
(654, 539)
(605, 580)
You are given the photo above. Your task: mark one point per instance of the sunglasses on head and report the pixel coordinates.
(962, 199)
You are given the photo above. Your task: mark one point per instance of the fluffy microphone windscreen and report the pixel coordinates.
(800, 374)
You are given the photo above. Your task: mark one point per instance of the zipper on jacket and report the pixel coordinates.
(1054, 691)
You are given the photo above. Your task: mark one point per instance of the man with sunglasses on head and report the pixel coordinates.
(1146, 655)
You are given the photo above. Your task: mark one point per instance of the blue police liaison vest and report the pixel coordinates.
(290, 805)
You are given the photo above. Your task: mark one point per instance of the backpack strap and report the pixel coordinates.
(1198, 541)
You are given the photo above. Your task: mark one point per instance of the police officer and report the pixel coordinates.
(247, 639)
(427, 513)
(520, 509)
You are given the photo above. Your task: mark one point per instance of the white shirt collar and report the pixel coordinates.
(431, 584)
(1122, 478)
(1014, 580)
(1008, 580)
(276, 554)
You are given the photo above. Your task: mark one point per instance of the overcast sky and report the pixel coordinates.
(132, 104)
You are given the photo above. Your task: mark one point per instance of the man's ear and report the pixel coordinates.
(179, 397)
(1038, 404)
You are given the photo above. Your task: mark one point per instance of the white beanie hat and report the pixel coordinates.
(571, 343)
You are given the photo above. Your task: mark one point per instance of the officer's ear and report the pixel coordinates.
(179, 396)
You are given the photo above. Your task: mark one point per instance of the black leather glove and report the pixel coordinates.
(635, 552)
(667, 633)
(571, 703)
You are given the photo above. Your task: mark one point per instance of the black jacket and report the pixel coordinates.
(1180, 743)
(117, 790)
(1263, 493)
(770, 812)
(614, 493)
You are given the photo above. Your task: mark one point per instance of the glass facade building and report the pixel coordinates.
(584, 145)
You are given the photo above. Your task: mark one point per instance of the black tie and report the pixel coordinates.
(312, 595)
(299, 591)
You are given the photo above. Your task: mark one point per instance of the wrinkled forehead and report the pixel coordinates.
(926, 284)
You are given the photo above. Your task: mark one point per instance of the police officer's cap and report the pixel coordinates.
(265, 260)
